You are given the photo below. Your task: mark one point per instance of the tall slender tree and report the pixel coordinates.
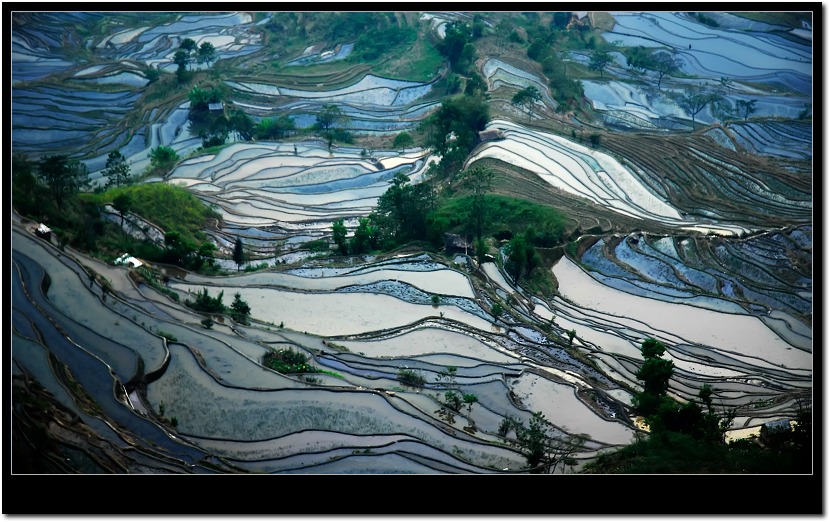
(238, 253)
(117, 169)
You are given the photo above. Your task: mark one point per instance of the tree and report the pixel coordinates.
(205, 303)
(188, 45)
(64, 177)
(365, 237)
(497, 310)
(25, 193)
(526, 97)
(117, 169)
(162, 158)
(655, 374)
(403, 140)
(695, 100)
(240, 311)
(543, 449)
(600, 60)
(339, 236)
(480, 181)
(329, 117)
(476, 85)
(152, 74)
(522, 257)
(122, 203)
(663, 64)
(469, 399)
(455, 126)
(401, 212)
(745, 108)
(561, 19)
(207, 53)
(238, 253)
(571, 335)
(205, 253)
(269, 128)
(180, 58)
(456, 45)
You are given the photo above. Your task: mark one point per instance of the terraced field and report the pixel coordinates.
(698, 233)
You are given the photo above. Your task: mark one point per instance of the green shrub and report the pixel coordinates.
(411, 378)
(288, 361)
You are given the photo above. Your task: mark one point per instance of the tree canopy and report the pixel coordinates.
(117, 171)
(63, 176)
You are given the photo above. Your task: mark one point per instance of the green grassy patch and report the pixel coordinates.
(171, 207)
(506, 214)
(418, 63)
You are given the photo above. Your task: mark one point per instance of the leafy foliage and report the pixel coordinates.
(338, 231)
(412, 378)
(63, 176)
(238, 253)
(204, 302)
(117, 171)
(526, 97)
(162, 159)
(240, 311)
(600, 60)
(288, 361)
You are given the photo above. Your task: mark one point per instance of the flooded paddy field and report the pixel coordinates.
(701, 239)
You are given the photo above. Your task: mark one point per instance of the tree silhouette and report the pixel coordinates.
(117, 169)
(238, 253)
(122, 203)
(63, 177)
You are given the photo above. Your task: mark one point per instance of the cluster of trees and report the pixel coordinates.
(458, 47)
(660, 62)
(63, 176)
(214, 126)
(402, 213)
(366, 237)
(205, 303)
(522, 257)
(452, 130)
(188, 51)
(179, 250)
(274, 128)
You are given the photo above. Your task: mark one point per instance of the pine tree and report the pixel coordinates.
(238, 253)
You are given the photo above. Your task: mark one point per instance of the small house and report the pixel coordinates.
(218, 106)
(128, 260)
(44, 232)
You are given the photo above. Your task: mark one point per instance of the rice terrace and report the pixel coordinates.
(562, 243)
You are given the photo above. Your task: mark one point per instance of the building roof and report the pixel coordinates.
(218, 106)
(127, 259)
